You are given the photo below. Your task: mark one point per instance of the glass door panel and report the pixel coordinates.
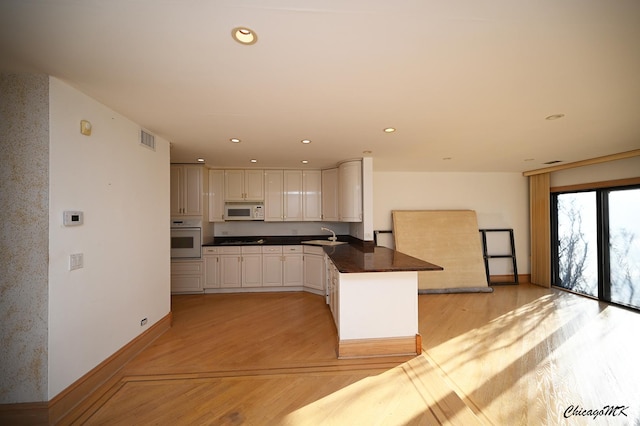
(578, 242)
(624, 246)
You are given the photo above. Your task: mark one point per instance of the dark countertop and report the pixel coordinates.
(356, 257)
(274, 240)
(353, 258)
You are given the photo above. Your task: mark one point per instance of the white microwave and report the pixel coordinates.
(243, 211)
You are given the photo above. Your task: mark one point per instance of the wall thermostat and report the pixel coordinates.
(72, 218)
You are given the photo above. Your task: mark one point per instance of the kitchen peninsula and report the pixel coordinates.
(372, 291)
(373, 296)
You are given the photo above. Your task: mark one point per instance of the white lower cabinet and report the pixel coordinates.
(282, 266)
(292, 267)
(228, 268)
(251, 266)
(314, 268)
(240, 267)
(272, 266)
(334, 283)
(211, 260)
(186, 276)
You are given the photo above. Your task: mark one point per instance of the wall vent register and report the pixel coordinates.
(148, 140)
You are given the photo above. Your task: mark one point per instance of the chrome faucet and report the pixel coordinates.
(333, 238)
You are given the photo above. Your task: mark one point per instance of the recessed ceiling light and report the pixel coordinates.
(253, 160)
(235, 140)
(200, 160)
(389, 130)
(367, 152)
(529, 159)
(446, 158)
(305, 161)
(305, 141)
(244, 35)
(554, 117)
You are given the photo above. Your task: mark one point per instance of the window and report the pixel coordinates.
(596, 250)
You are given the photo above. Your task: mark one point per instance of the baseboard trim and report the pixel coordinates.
(69, 404)
(508, 279)
(380, 347)
(26, 413)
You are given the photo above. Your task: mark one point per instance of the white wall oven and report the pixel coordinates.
(186, 239)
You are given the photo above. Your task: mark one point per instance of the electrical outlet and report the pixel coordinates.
(143, 321)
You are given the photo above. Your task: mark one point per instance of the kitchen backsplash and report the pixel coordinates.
(230, 229)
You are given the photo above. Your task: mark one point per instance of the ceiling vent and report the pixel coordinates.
(148, 140)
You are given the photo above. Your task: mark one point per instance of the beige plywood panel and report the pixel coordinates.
(448, 238)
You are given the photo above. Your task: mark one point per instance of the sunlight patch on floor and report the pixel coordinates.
(408, 394)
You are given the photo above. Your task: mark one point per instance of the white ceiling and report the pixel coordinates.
(467, 80)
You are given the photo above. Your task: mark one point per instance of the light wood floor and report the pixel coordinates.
(521, 355)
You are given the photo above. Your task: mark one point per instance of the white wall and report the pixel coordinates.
(123, 190)
(24, 240)
(501, 200)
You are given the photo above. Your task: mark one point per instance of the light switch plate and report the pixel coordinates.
(76, 261)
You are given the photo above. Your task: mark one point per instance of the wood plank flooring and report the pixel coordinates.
(520, 355)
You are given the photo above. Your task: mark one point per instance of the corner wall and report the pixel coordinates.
(24, 239)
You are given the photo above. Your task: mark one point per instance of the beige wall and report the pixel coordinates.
(611, 170)
(501, 200)
(24, 240)
(123, 189)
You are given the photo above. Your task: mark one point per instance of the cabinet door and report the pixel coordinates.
(334, 295)
(176, 184)
(211, 271)
(192, 190)
(216, 195)
(273, 196)
(234, 185)
(272, 270)
(293, 269)
(330, 195)
(350, 185)
(252, 270)
(312, 195)
(230, 271)
(292, 195)
(314, 271)
(186, 277)
(254, 185)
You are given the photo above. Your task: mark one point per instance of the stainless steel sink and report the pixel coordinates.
(323, 242)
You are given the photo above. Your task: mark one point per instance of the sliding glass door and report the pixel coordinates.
(597, 243)
(624, 246)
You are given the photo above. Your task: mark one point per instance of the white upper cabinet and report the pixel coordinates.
(292, 195)
(350, 191)
(312, 195)
(273, 195)
(243, 185)
(330, 210)
(186, 190)
(216, 195)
